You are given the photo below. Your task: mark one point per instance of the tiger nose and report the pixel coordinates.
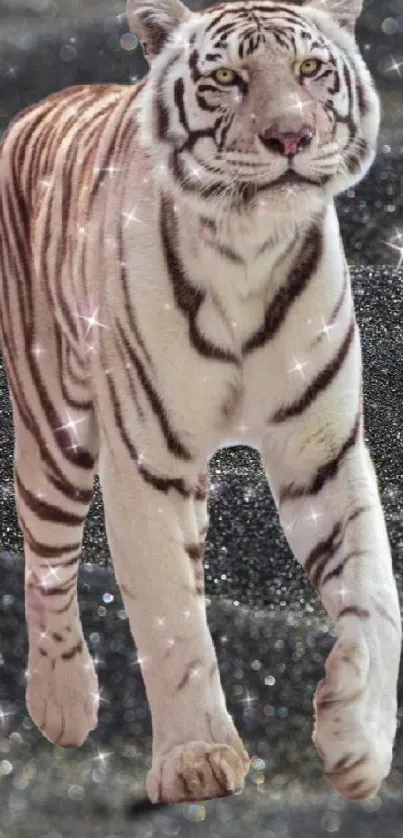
(287, 143)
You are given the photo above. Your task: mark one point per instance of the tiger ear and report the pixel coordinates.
(345, 12)
(154, 20)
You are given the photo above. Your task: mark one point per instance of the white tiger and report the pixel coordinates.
(172, 278)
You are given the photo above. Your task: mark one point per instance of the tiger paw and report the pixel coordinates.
(355, 708)
(62, 693)
(197, 771)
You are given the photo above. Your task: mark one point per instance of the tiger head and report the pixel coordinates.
(256, 100)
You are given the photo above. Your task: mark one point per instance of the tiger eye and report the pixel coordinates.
(224, 75)
(309, 66)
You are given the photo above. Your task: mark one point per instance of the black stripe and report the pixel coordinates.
(133, 392)
(194, 551)
(70, 491)
(320, 382)
(59, 590)
(188, 674)
(48, 551)
(173, 443)
(325, 473)
(305, 265)
(326, 549)
(64, 608)
(46, 511)
(337, 571)
(76, 650)
(162, 484)
(188, 298)
(354, 611)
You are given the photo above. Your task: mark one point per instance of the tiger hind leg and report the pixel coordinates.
(53, 495)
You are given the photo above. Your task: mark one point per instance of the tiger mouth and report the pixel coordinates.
(290, 177)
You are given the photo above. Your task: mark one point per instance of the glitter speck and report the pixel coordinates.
(129, 41)
(390, 26)
(196, 813)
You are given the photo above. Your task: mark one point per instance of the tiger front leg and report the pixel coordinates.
(326, 492)
(156, 528)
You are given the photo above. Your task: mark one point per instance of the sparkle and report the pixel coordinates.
(51, 576)
(290, 191)
(299, 367)
(130, 217)
(313, 516)
(71, 424)
(196, 170)
(395, 67)
(37, 350)
(4, 714)
(102, 756)
(249, 699)
(30, 672)
(299, 105)
(289, 526)
(97, 698)
(343, 591)
(92, 321)
(398, 237)
(326, 328)
(140, 661)
(46, 183)
(160, 622)
(141, 459)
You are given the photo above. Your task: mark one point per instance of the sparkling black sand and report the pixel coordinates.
(271, 634)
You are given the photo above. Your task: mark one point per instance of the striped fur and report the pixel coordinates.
(167, 289)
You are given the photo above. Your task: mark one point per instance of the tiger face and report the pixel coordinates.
(257, 100)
